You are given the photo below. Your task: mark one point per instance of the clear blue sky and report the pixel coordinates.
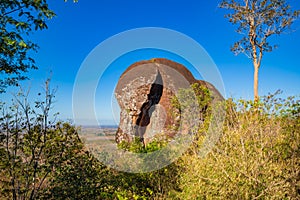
(80, 27)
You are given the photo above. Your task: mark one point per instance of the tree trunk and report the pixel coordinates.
(255, 84)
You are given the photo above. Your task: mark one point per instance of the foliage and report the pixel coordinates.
(153, 185)
(257, 20)
(192, 103)
(256, 158)
(18, 19)
(198, 93)
(81, 176)
(33, 148)
(136, 146)
(163, 183)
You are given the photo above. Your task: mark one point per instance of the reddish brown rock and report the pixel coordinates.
(144, 93)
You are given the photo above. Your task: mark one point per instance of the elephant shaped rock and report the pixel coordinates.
(144, 93)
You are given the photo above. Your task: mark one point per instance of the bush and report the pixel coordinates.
(41, 158)
(257, 157)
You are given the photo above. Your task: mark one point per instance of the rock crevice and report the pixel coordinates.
(144, 93)
(153, 99)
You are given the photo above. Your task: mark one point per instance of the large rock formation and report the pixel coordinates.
(144, 93)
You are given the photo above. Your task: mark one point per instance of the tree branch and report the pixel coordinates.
(17, 9)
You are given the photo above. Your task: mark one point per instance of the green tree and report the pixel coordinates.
(257, 20)
(18, 18)
(33, 148)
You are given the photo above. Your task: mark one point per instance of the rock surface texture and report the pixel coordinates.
(144, 94)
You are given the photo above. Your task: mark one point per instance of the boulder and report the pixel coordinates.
(144, 93)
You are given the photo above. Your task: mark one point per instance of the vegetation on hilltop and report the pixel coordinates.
(257, 157)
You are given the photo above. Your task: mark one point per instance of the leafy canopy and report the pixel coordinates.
(18, 19)
(257, 20)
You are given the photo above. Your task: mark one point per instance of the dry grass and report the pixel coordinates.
(257, 157)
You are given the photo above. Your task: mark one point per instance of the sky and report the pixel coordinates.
(80, 27)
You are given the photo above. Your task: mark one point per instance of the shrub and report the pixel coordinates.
(257, 157)
(41, 158)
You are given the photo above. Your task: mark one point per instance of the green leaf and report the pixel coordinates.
(22, 44)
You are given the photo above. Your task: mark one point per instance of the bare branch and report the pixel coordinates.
(12, 11)
(258, 20)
